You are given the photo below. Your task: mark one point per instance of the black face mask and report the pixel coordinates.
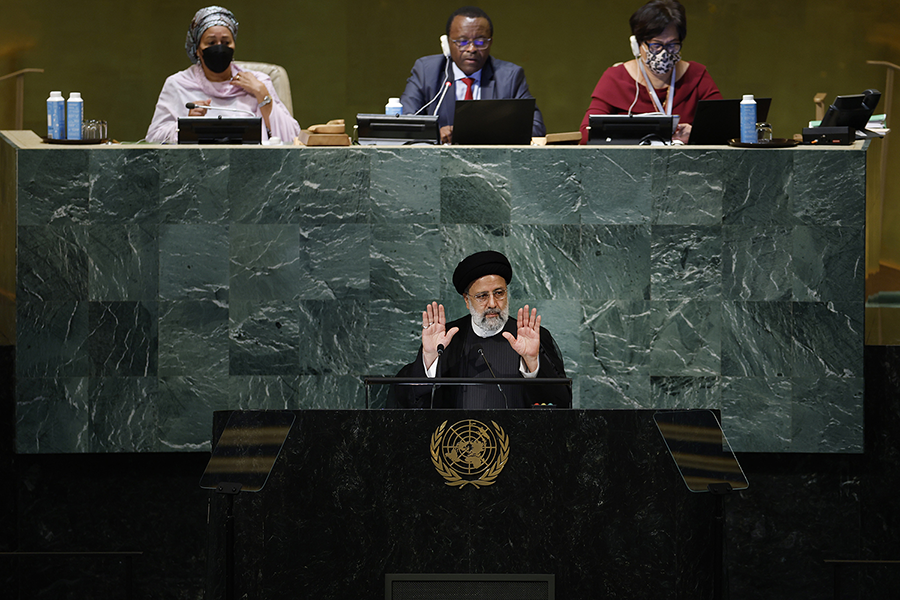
(218, 57)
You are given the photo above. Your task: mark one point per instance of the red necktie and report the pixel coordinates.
(468, 81)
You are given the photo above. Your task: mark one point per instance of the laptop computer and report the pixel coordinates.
(495, 122)
(717, 121)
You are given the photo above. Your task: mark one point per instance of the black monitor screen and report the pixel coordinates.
(397, 129)
(219, 130)
(631, 129)
(852, 111)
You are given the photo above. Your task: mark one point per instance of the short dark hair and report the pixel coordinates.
(652, 18)
(473, 12)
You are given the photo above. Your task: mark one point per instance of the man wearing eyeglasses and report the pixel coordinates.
(486, 344)
(468, 73)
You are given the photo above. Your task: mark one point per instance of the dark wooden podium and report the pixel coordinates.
(590, 496)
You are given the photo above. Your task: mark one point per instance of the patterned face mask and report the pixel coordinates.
(663, 61)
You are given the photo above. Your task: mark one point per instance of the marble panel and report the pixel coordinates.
(124, 414)
(756, 413)
(607, 392)
(265, 392)
(827, 265)
(687, 187)
(827, 415)
(405, 262)
(615, 339)
(757, 263)
(405, 186)
(281, 185)
(124, 187)
(52, 415)
(333, 337)
(686, 338)
(123, 338)
(123, 262)
(193, 186)
(52, 263)
(475, 186)
(186, 406)
(265, 262)
(332, 391)
(825, 183)
(193, 262)
(757, 339)
(395, 334)
(264, 338)
(828, 339)
(334, 261)
(607, 177)
(547, 261)
(615, 262)
(758, 188)
(685, 392)
(194, 338)
(686, 262)
(53, 188)
(52, 339)
(545, 187)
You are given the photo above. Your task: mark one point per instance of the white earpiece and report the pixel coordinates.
(635, 49)
(445, 46)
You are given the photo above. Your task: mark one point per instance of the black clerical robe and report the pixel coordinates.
(462, 359)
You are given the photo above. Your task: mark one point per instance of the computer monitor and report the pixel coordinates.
(396, 130)
(631, 129)
(852, 111)
(219, 130)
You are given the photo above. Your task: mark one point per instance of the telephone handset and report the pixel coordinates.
(445, 46)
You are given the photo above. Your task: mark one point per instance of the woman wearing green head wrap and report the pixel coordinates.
(214, 80)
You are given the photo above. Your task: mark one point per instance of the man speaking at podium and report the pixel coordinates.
(485, 345)
(465, 71)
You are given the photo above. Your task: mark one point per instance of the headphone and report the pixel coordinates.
(445, 46)
(635, 48)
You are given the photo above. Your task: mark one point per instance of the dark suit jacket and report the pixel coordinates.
(453, 362)
(499, 80)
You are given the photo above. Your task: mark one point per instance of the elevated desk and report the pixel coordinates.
(154, 284)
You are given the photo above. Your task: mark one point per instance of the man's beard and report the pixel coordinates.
(491, 324)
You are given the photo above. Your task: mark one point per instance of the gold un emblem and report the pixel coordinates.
(469, 452)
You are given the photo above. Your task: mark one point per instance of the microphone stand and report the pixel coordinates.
(481, 352)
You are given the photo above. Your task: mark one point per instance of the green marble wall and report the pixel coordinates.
(156, 285)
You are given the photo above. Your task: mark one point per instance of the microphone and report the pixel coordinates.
(440, 351)
(190, 105)
(480, 351)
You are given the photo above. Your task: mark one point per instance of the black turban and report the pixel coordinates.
(478, 265)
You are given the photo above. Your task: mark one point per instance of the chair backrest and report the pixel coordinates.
(279, 76)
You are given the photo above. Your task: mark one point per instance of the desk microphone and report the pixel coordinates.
(190, 105)
(480, 351)
(440, 351)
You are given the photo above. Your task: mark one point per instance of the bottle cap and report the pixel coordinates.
(77, 95)
(393, 100)
(56, 94)
(748, 96)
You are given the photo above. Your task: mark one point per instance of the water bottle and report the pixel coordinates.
(74, 113)
(748, 120)
(56, 116)
(393, 107)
